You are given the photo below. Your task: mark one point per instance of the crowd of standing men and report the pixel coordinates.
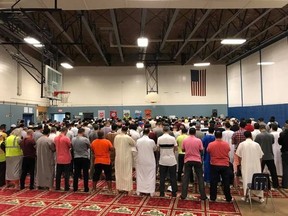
(215, 150)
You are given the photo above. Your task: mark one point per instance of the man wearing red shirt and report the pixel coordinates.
(219, 154)
(63, 158)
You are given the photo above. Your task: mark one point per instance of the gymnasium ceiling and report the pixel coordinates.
(103, 33)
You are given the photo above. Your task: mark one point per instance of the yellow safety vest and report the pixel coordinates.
(2, 156)
(3, 136)
(12, 146)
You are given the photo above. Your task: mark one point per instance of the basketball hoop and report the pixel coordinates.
(62, 95)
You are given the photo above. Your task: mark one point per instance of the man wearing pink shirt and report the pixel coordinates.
(193, 148)
(63, 158)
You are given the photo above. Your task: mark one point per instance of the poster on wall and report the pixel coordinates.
(126, 114)
(148, 113)
(138, 114)
(113, 114)
(101, 114)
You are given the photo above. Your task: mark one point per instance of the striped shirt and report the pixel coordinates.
(167, 143)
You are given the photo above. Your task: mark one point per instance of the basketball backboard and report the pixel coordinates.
(53, 82)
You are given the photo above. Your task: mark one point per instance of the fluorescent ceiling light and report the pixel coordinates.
(265, 63)
(202, 64)
(66, 65)
(142, 42)
(140, 65)
(233, 41)
(31, 40)
(38, 45)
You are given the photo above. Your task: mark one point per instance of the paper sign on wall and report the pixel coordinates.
(113, 114)
(148, 113)
(138, 113)
(101, 114)
(126, 114)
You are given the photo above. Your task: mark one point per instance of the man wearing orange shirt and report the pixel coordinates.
(101, 148)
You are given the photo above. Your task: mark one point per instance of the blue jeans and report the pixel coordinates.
(199, 174)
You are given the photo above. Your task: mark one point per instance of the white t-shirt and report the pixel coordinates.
(167, 143)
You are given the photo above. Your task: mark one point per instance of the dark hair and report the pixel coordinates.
(63, 129)
(95, 126)
(256, 126)
(146, 131)
(249, 121)
(192, 131)
(124, 129)
(211, 130)
(184, 130)
(81, 130)
(262, 127)
(46, 131)
(133, 126)
(148, 125)
(248, 134)
(274, 127)
(227, 125)
(114, 127)
(100, 134)
(242, 124)
(218, 134)
(166, 128)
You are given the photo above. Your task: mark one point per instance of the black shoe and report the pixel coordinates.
(31, 188)
(204, 198)
(162, 195)
(86, 190)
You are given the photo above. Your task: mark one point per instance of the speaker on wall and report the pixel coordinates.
(214, 113)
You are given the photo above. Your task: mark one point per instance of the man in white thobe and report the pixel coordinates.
(123, 161)
(227, 136)
(277, 149)
(250, 153)
(146, 164)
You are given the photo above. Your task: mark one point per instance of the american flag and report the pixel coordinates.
(198, 82)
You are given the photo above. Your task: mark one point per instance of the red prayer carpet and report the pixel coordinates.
(40, 202)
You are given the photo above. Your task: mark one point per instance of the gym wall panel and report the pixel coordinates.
(251, 83)
(275, 77)
(234, 85)
(157, 110)
(103, 86)
(28, 89)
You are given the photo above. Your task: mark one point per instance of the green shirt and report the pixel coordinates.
(180, 141)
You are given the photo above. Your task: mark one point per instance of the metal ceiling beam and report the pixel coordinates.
(143, 21)
(142, 29)
(272, 26)
(116, 32)
(46, 40)
(66, 35)
(175, 14)
(97, 45)
(240, 32)
(216, 33)
(193, 32)
(263, 45)
(21, 39)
